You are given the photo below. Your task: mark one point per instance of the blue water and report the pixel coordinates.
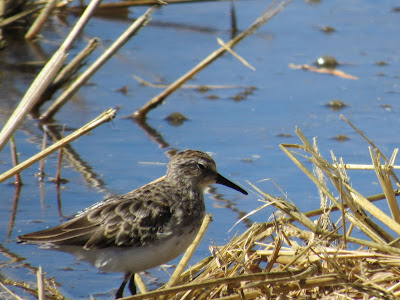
(243, 136)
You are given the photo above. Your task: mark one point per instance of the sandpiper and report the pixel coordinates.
(144, 228)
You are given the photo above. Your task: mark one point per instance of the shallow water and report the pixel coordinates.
(243, 136)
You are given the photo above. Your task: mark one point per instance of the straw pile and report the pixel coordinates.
(295, 257)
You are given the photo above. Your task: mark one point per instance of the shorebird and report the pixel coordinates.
(144, 228)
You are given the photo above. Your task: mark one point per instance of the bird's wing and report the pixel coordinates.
(123, 221)
(129, 224)
(73, 232)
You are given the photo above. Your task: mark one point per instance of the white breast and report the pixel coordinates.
(133, 259)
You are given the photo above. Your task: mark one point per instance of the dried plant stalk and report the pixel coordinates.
(106, 116)
(141, 113)
(44, 79)
(41, 19)
(83, 78)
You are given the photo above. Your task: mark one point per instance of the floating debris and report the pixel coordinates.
(250, 159)
(328, 29)
(59, 181)
(243, 95)
(327, 61)
(284, 135)
(396, 9)
(203, 89)
(213, 97)
(238, 97)
(123, 90)
(381, 63)
(336, 104)
(387, 107)
(176, 119)
(324, 71)
(247, 160)
(341, 138)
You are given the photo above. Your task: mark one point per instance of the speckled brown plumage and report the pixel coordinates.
(163, 216)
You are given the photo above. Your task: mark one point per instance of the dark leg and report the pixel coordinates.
(120, 291)
(132, 285)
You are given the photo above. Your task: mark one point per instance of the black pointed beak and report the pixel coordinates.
(222, 180)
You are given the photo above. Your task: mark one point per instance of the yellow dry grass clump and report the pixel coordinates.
(294, 257)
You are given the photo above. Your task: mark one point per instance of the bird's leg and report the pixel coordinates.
(120, 291)
(132, 285)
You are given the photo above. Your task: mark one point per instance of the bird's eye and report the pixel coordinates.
(201, 167)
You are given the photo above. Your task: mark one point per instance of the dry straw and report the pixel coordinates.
(297, 257)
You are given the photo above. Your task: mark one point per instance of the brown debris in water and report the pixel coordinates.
(324, 71)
